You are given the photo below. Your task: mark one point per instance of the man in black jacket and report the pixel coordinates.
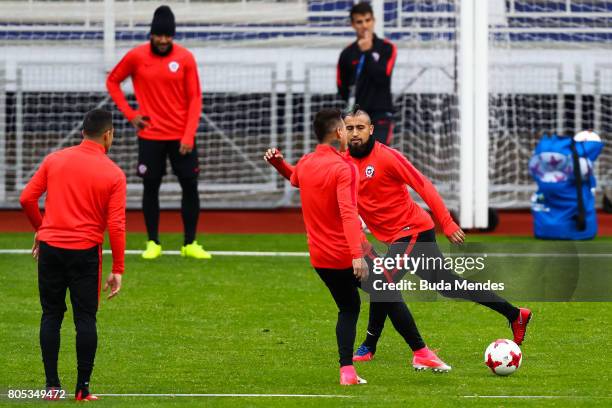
(364, 72)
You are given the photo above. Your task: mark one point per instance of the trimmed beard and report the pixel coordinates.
(156, 50)
(359, 152)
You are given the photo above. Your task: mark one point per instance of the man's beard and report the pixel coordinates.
(363, 149)
(156, 50)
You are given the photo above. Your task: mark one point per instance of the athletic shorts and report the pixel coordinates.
(152, 156)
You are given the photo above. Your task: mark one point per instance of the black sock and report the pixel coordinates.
(343, 287)
(404, 324)
(150, 207)
(376, 323)
(503, 307)
(86, 345)
(190, 208)
(485, 297)
(82, 385)
(346, 331)
(50, 325)
(83, 388)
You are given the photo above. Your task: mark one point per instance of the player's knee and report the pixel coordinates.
(354, 306)
(189, 183)
(86, 328)
(85, 321)
(151, 184)
(351, 315)
(189, 188)
(52, 318)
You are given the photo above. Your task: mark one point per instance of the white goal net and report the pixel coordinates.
(549, 72)
(267, 66)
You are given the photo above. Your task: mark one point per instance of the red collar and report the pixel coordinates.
(92, 146)
(325, 148)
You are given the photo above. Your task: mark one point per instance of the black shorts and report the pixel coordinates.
(152, 159)
(79, 270)
(383, 127)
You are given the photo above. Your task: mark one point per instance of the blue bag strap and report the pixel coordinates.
(581, 216)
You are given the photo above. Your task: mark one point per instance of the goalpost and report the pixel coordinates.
(473, 111)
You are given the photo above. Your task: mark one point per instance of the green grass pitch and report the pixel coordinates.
(257, 325)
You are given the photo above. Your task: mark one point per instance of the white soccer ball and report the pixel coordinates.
(503, 357)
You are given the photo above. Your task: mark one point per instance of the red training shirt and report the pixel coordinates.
(383, 200)
(167, 90)
(328, 190)
(86, 192)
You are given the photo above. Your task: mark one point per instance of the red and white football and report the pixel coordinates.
(503, 357)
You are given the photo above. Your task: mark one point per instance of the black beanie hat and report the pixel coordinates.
(163, 22)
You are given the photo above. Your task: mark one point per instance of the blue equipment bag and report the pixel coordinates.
(564, 205)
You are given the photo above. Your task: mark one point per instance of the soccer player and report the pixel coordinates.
(364, 72)
(395, 219)
(328, 187)
(167, 87)
(85, 195)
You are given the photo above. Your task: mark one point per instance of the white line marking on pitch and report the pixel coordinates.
(305, 254)
(536, 396)
(231, 395)
(175, 253)
(539, 255)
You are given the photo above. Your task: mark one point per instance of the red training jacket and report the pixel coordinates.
(328, 190)
(86, 192)
(167, 90)
(383, 200)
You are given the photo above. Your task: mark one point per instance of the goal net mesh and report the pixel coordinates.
(266, 68)
(549, 72)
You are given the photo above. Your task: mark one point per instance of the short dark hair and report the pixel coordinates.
(361, 8)
(96, 122)
(357, 111)
(326, 121)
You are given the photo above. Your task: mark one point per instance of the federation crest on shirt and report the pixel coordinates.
(173, 66)
(369, 171)
(376, 56)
